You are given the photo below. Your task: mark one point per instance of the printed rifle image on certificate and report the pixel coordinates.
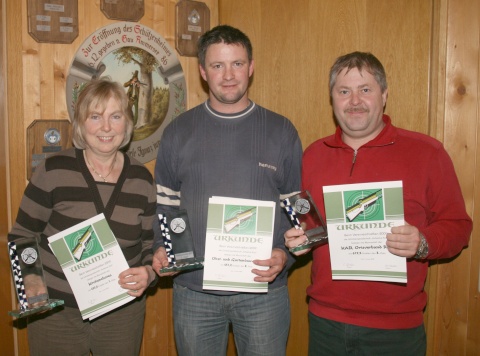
(91, 260)
(238, 232)
(358, 218)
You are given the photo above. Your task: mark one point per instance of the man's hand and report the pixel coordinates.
(160, 260)
(295, 237)
(276, 263)
(403, 240)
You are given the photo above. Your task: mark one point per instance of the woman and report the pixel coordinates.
(72, 186)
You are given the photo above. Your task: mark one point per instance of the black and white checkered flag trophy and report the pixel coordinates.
(178, 242)
(27, 273)
(304, 214)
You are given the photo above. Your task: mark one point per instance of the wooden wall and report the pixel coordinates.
(6, 330)
(430, 49)
(454, 309)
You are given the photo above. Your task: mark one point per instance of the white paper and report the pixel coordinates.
(238, 232)
(91, 260)
(358, 218)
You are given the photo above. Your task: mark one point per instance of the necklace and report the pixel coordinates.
(95, 171)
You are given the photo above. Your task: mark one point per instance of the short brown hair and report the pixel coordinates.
(96, 94)
(361, 61)
(222, 34)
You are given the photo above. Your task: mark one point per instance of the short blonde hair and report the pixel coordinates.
(96, 95)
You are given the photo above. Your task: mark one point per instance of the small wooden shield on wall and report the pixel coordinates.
(128, 10)
(44, 138)
(192, 21)
(53, 21)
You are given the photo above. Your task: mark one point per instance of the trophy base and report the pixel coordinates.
(50, 304)
(183, 266)
(311, 242)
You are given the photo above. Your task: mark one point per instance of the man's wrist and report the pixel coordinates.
(422, 250)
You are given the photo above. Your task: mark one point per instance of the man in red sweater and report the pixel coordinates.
(371, 317)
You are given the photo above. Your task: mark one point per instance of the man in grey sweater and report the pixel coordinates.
(228, 146)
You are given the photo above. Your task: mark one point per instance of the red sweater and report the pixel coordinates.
(433, 203)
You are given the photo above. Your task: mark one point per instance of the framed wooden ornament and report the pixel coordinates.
(44, 138)
(192, 21)
(53, 21)
(127, 10)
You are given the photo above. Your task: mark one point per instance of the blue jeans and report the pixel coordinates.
(260, 322)
(328, 337)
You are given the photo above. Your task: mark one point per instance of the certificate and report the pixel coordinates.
(238, 232)
(358, 218)
(91, 260)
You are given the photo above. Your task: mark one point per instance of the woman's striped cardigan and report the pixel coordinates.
(63, 193)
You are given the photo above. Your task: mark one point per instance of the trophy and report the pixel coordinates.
(178, 242)
(27, 272)
(304, 214)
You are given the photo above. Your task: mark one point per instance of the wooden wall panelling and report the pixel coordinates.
(158, 332)
(403, 45)
(6, 330)
(158, 329)
(457, 309)
(16, 132)
(473, 318)
(155, 338)
(284, 73)
(16, 167)
(158, 335)
(436, 127)
(34, 73)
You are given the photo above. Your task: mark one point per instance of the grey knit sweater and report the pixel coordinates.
(254, 154)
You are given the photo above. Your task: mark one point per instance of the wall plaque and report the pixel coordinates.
(128, 10)
(144, 63)
(192, 21)
(54, 21)
(44, 138)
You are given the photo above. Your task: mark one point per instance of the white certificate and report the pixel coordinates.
(91, 260)
(358, 218)
(238, 232)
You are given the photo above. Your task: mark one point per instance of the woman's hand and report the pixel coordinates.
(136, 280)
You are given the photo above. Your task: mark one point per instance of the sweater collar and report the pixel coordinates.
(243, 113)
(385, 137)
